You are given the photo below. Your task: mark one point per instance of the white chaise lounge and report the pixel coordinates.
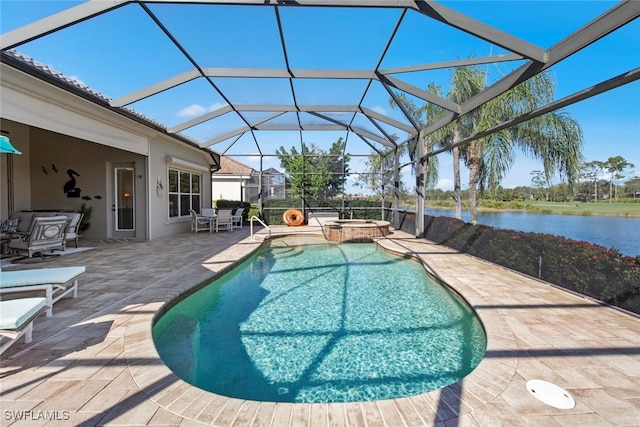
(56, 282)
(16, 319)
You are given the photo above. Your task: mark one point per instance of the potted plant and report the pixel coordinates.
(86, 219)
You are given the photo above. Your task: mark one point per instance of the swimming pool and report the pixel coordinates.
(321, 323)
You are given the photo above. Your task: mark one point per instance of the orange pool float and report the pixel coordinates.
(293, 217)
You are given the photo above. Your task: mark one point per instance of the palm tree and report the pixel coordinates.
(554, 138)
(421, 115)
(466, 82)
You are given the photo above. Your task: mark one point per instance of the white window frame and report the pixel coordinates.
(179, 194)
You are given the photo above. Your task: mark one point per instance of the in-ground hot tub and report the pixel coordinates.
(355, 230)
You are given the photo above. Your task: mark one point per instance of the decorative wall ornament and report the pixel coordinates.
(70, 186)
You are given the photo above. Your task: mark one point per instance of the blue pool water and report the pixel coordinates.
(321, 323)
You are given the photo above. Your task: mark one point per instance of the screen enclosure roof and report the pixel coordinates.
(245, 77)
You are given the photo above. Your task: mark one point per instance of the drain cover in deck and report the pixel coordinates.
(550, 394)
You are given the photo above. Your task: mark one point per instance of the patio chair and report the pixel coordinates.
(56, 282)
(73, 229)
(16, 319)
(208, 212)
(236, 218)
(46, 234)
(224, 219)
(199, 222)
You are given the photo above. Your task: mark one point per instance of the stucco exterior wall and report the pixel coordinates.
(54, 128)
(165, 153)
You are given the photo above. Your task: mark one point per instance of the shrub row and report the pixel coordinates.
(360, 208)
(586, 268)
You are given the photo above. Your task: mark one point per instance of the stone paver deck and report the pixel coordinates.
(94, 362)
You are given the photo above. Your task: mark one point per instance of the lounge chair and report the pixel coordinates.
(16, 319)
(56, 282)
(199, 222)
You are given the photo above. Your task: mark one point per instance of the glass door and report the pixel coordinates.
(125, 199)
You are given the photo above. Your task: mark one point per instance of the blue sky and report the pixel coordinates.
(124, 51)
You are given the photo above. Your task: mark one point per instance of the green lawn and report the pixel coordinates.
(580, 208)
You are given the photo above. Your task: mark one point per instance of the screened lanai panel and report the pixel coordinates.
(284, 121)
(243, 144)
(215, 130)
(329, 91)
(181, 103)
(109, 60)
(362, 122)
(225, 35)
(325, 119)
(536, 22)
(606, 50)
(270, 141)
(22, 13)
(359, 144)
(255, 118)
(431, 41)
(322, 140)
(245, 90)
(336, 38)
(379, 100)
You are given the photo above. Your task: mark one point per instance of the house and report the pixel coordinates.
(237, 181)
(139, 179)
(231, 180)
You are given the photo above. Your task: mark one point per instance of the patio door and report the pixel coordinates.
(124, 203)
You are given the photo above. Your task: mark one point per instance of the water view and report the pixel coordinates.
(621, 233)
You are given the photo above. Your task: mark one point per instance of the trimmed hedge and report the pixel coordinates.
(234, 204)
(361, 208)
(583, 267)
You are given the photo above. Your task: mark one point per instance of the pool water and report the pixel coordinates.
(321, 323)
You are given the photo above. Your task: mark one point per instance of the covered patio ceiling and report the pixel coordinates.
(245, 77)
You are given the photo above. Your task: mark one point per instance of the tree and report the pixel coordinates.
(313, 172)
(538, 180)
(591, 171)
(554, 138)
(632, 186)
(615, 166)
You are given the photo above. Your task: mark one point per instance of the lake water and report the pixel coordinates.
(617, 232)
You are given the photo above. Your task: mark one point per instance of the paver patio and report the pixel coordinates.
(94, 362)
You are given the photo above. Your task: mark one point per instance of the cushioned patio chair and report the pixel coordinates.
(46, 234)
(73, 229)
(55, 282)
(16, 319)
(224, 219)
(199, 222)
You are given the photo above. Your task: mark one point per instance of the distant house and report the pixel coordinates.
(237, 181)
(230, 181)
(273, 185)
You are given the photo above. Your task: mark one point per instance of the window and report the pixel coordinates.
(184, 192)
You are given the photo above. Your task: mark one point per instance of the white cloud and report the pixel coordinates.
(379, 109)
(216, 106)
(197, 109)
(192, 110)
(445, 184)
